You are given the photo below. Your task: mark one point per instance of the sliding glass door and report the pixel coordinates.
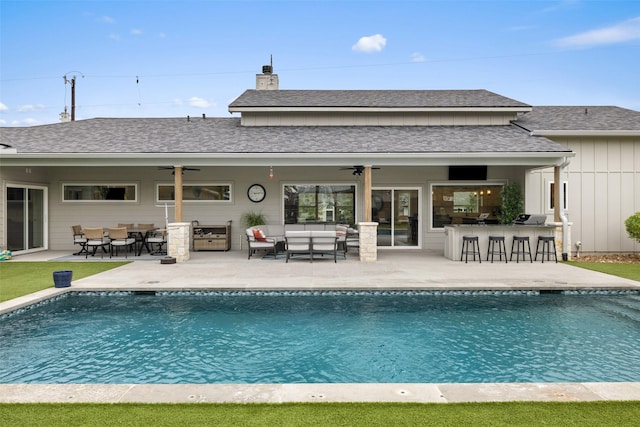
(396, 210)
(26, 218)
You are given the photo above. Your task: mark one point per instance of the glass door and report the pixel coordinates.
(396, 210)
(26, 218)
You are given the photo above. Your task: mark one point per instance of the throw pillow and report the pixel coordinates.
(259, 235)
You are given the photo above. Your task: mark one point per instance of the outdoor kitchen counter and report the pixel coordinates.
(454, 233)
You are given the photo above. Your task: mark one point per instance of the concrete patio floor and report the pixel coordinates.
(393, 270)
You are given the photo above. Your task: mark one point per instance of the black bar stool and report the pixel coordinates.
(501, 248)
(519, 242)
(475, 248)
(546, 241)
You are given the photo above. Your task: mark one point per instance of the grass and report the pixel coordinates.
(582, 414)
(23, 278)
(627, 271)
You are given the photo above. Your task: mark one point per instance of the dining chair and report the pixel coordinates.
(79, 239)
(96, 239)
(156, 240)
(119, 237)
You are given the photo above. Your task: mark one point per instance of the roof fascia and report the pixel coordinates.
(381, 109)
(543, 132)
(293, 159)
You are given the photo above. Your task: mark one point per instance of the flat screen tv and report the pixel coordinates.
(467, 173)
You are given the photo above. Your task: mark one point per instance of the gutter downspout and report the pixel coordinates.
(563, 215)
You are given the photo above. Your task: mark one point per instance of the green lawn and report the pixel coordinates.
(628, 271)
(22, 278)
(582, 414)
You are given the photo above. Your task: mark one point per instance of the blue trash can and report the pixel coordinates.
(62, 278)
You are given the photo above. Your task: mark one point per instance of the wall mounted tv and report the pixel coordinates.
(467, 173)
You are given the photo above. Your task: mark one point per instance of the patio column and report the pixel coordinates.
(178, 239)
(177, 170)
(367, 194)
(368, 230)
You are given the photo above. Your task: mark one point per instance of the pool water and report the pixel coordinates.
(331, 337)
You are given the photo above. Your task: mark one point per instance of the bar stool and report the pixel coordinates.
(546, 241)
(501, 248)
(519, 242)
(475, 248)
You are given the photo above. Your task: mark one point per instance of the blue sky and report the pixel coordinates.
(177, 58)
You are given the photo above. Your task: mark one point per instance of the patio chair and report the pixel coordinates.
(259, 243)
(156, 240)
(324, 242)
(142, 231)
(119, 237)
(79, 239)
(96, 239)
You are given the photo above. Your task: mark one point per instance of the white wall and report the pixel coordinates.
(603, 191)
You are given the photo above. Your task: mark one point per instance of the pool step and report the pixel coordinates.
(623, 308)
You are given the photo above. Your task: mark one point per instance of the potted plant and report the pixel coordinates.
(251, 219)
(512, 203)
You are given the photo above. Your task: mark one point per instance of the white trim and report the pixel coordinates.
(323, 183)
(549, 196)
(45, 214)
(193, 184)
(551, 132)
(495, 183)
(380, 109)
(113, 184)
(394, 189)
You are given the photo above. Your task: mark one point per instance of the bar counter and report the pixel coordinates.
(454, 233)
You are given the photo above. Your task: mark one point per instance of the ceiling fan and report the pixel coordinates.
(173, 169)
(357, 170)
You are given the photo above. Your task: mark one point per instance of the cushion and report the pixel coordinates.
(259, 235)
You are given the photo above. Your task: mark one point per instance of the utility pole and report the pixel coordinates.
(73, 95)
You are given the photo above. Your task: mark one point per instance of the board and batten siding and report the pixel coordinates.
(603, 191)
(316, 118)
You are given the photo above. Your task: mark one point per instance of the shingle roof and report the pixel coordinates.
(373, 99)
(589, 118)
(226, 135)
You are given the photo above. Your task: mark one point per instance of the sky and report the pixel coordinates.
(163, 58)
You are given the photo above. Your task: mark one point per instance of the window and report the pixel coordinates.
(463, 203)
(99, 192)
(552, 187)
(333, 203)
(195, 192)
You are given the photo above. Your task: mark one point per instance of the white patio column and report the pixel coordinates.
(178, 239)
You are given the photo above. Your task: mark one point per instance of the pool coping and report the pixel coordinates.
(406, 270)
(314, 392)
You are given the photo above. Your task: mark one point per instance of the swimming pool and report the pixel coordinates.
(323, 337)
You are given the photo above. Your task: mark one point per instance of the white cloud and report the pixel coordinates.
(417, 57)
(3, 122)
(136, 32)
(619, 33)
(107, 20)
(199, 102)
(370, 44)
(162, 35)
(114, 36)
(24, 122)
(30, 107)
(3, 107)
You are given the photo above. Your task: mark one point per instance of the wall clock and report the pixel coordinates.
(256, 193)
